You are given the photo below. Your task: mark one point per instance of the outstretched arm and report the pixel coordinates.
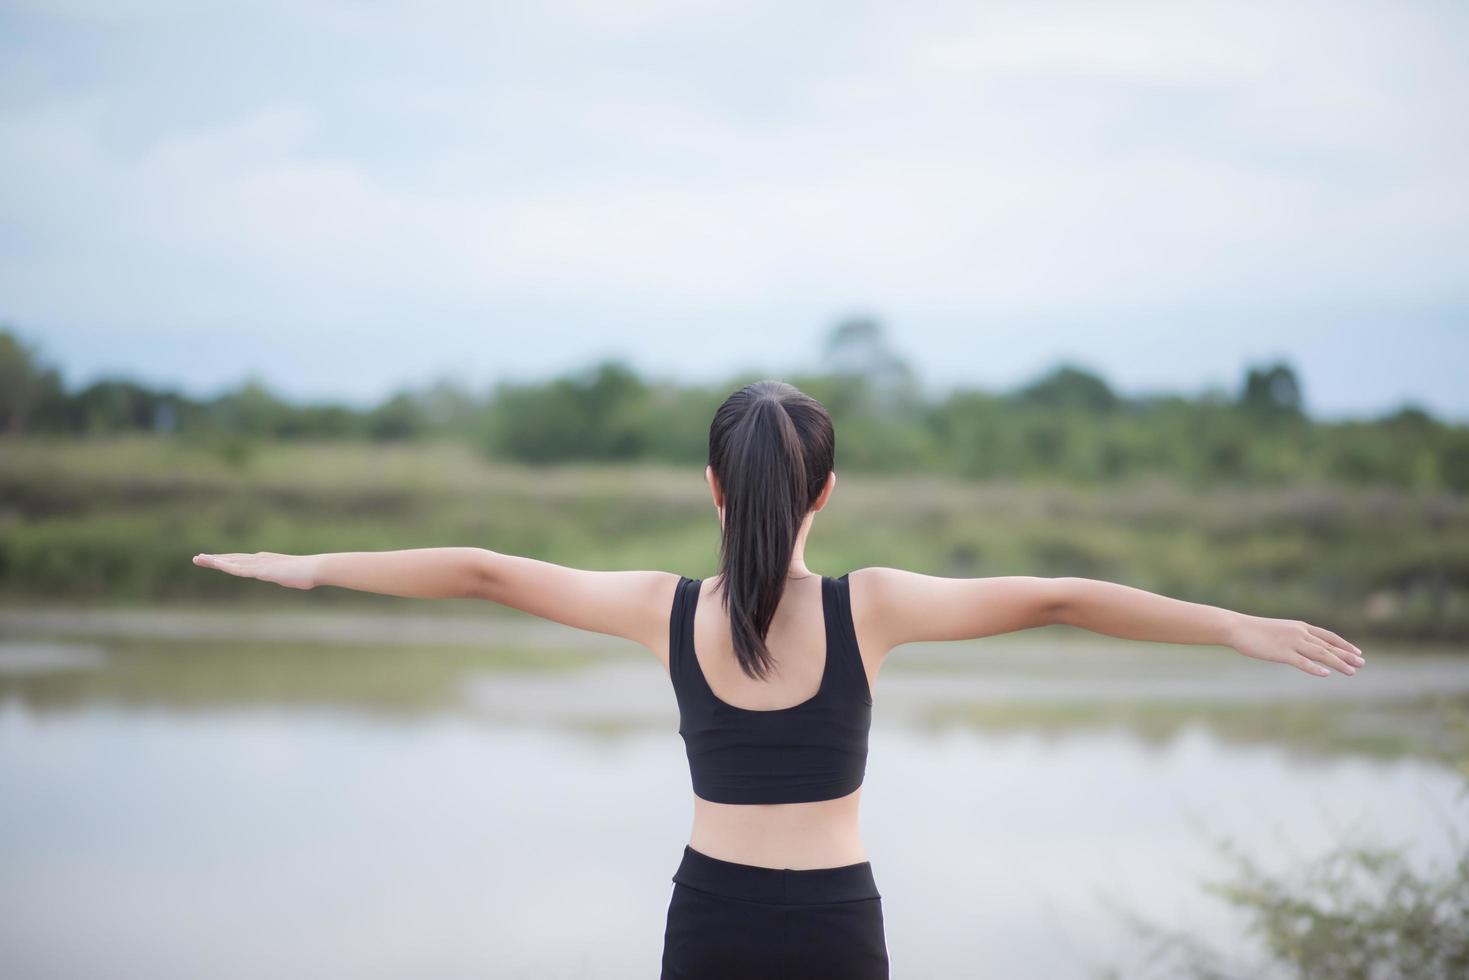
(418, 573)
(630, 604)
(1135, 614)
(896, 606)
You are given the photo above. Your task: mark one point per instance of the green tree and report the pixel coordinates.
(24, 382)
(1071, 388)
(1271, 391)
(590, 415)
(400, 417)
(857, 351)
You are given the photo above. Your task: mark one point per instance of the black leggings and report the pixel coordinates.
(742, 920)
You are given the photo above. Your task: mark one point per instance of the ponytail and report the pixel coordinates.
(771, 448)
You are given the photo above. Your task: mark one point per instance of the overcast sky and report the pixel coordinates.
(347, 197)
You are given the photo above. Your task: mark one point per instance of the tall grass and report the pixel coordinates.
(116, 519)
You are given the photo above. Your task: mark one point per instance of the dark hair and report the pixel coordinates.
(771, 447)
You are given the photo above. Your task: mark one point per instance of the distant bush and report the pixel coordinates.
(1067, 424)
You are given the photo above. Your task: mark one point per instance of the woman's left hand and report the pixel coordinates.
(291, 571)
(1312, 649)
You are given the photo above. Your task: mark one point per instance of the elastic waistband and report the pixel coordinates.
(780, 886)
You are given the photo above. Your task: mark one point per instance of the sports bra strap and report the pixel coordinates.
(681, 628)
(841, 638)
(844, 674)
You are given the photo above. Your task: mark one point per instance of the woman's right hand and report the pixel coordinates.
(291, 571)
(1312, 649)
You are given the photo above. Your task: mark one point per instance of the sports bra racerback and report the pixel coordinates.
(815, 750)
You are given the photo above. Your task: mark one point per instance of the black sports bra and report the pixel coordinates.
(815, 750)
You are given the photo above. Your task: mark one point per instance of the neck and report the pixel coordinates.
(798, 567)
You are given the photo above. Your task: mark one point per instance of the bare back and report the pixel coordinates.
(818, 834)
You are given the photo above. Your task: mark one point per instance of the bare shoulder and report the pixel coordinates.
(660, 589)
(893, 606)
(633, 604)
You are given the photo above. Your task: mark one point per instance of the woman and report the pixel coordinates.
(774, 679)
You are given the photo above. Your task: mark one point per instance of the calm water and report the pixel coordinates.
(367, 811)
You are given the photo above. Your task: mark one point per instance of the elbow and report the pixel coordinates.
(1060, 607)
(484, 575)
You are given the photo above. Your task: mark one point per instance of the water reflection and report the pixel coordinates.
(285, 809)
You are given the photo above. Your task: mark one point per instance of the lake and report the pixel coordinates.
(235, 793)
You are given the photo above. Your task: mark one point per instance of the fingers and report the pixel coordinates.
(1336, 641)
(1321, 654)
(1302, 662)
(234, 564)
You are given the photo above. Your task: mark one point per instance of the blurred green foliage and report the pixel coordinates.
(118, 517)
(1243, 502)
(1068, 424)
(1357, 913)
(1360, 910)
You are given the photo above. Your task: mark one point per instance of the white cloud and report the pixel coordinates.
(336, 168)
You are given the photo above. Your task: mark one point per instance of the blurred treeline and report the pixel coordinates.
(1240, 501)
(1068, 424)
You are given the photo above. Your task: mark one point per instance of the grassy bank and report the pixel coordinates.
(116, 519)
